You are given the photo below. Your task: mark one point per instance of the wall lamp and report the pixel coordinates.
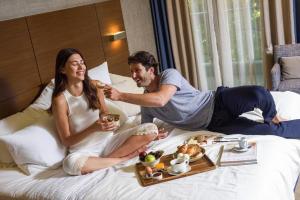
(118, 36)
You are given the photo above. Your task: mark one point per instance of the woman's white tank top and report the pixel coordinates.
(80, 115)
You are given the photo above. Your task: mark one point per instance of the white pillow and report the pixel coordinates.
(126, 84)
(44, 100)
(100, 73)
(287, 104)
(36, 144)
(14, 122)
(17, 122)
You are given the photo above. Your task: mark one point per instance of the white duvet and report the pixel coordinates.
(274, 177)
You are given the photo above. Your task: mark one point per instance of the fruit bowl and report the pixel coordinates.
(150, 159)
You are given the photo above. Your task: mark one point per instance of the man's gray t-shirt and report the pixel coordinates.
(188, 108)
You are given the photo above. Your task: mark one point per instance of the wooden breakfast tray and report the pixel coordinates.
(202, 165)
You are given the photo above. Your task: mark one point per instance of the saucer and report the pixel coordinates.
(169, 170)
(238, 149)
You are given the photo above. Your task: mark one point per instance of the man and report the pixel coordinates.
(170, 98)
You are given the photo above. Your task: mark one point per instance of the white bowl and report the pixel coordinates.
(151, 164)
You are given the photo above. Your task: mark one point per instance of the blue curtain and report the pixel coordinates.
(297, 19)
(162, 35)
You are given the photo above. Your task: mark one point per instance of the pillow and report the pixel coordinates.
(287, 104)
(126, 84)
(36, 144)
(44, 100)
(115, 78)
(100, 73)
(15, 122)
(290, 67)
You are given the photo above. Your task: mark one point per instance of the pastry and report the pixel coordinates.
(190, 149)
(193, 150)
(182, 149)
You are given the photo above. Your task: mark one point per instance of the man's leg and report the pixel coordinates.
(238, 100)
(287, 129)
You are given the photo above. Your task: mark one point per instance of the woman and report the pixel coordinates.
(76, 105)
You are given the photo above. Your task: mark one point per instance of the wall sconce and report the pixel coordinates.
(118, 36)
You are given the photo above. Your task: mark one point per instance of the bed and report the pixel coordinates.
(274, 177)
(31, 154)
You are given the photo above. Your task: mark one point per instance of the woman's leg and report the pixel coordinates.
(79, 163)
(131, 140)
(96, 163)
(132, 144)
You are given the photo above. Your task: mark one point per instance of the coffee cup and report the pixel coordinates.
(243, 143)
(179, 165)
(115, 118)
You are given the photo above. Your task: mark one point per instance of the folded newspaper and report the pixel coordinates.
(232, 155)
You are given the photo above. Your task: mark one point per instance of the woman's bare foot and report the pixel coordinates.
(277, 119)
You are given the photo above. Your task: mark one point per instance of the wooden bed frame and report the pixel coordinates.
(28, 47)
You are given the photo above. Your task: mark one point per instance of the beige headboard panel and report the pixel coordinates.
(28, 47)
(76, 27)
(19, 77)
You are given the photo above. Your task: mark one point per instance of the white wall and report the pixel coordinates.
(139, 25)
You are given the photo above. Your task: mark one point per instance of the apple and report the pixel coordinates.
(149, 158)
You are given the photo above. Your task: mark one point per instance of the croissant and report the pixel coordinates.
(193, 150)
(182, 148)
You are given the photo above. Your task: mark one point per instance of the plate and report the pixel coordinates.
(238, 149)
(202, 140)
(197, 157)
(169, 170)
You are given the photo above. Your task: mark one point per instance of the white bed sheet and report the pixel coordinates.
(274, 177)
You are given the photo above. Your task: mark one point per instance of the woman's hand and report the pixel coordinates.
(106, 125)
(103, 125)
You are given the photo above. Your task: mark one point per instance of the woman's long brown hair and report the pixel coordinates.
(61, 79)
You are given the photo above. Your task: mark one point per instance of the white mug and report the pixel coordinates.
(179, 165)
(243, 143)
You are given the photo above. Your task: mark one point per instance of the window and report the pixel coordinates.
(227, 35)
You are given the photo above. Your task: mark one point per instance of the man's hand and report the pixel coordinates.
(112, 93)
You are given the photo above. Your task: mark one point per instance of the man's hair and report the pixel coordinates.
(145, 58)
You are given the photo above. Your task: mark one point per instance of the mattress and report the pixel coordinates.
(274, 177)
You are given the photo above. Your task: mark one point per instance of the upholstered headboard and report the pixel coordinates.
(28, 47)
